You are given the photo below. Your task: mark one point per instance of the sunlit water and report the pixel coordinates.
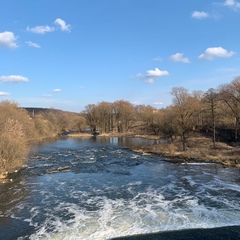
(109, 191)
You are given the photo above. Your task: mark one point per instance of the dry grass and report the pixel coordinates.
(199, 149)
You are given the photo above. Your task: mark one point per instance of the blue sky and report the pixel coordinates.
(68, 54)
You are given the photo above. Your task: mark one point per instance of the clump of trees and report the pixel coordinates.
(19, 128)
(215, 112)
(13, 137)
(108, 117)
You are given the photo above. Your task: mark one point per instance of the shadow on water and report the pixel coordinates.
(12, 229)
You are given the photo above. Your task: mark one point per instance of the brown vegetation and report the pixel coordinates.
(213, 115)
(199, 149)
(197, 126)
(19, 128)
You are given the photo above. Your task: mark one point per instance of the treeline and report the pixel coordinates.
(215, 112)
(20, 127)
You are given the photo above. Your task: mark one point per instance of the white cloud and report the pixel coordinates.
(149, 80)
(62, 24)
(4, 94)
(47, 95)
(199, 15)
(215, 52)
(41, 29)
(158, 103)
(32, 44)
(158, 59)
(232, 4)
(13, 78)
(227, 70)
(8, 39)
(136, 103)
(156, 73)
(57, 90)
(152, 75)
(140, 75)
(178, 57)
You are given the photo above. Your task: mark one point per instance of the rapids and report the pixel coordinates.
(97, 188)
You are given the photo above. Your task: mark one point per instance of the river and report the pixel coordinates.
(105, 190)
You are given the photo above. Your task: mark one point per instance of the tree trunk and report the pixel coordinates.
(184, 141)
(236, 129)
(214, 135)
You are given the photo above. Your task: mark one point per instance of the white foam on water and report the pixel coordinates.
(144, 213)
(198, 163)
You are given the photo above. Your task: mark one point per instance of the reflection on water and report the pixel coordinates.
(108, 191)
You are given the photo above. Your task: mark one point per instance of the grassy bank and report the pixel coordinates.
(199, 149)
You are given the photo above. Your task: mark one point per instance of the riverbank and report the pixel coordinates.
(199, 149)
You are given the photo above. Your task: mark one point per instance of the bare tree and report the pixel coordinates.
(124, 113)
(185, 105)
(230, 94)
(91, 116)
(104, 113)
(151, 118)
(210, 101)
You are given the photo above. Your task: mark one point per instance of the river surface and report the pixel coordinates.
(106, 190)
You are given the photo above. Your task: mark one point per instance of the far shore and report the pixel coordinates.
(200, 149)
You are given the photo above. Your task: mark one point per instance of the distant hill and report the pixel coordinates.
(35, 110)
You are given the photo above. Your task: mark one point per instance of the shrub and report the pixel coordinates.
(13, 145)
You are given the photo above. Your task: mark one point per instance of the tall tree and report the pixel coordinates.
(230, 94)
(104, 112)
(210, 101)
(91, 116)
(185, 105)
(124, 113)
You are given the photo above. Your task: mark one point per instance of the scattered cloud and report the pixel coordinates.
(62, 24)
(158, 103)
(178, 57)
(13, 78)
(2, 94)
(158, 59)
(32, 44)
(41, 29)
(47, 95)
(152, 75)
(227, 70)
(156, 73)
(57, 90)
(140, 75)
(149, 80)
(200, 15)
(232, 4)
(136, 103)
(46, 28)
(8, 39)
(215, 52)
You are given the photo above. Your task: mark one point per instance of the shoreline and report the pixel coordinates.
(199, 149)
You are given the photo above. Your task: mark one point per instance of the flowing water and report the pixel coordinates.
(105, 190)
